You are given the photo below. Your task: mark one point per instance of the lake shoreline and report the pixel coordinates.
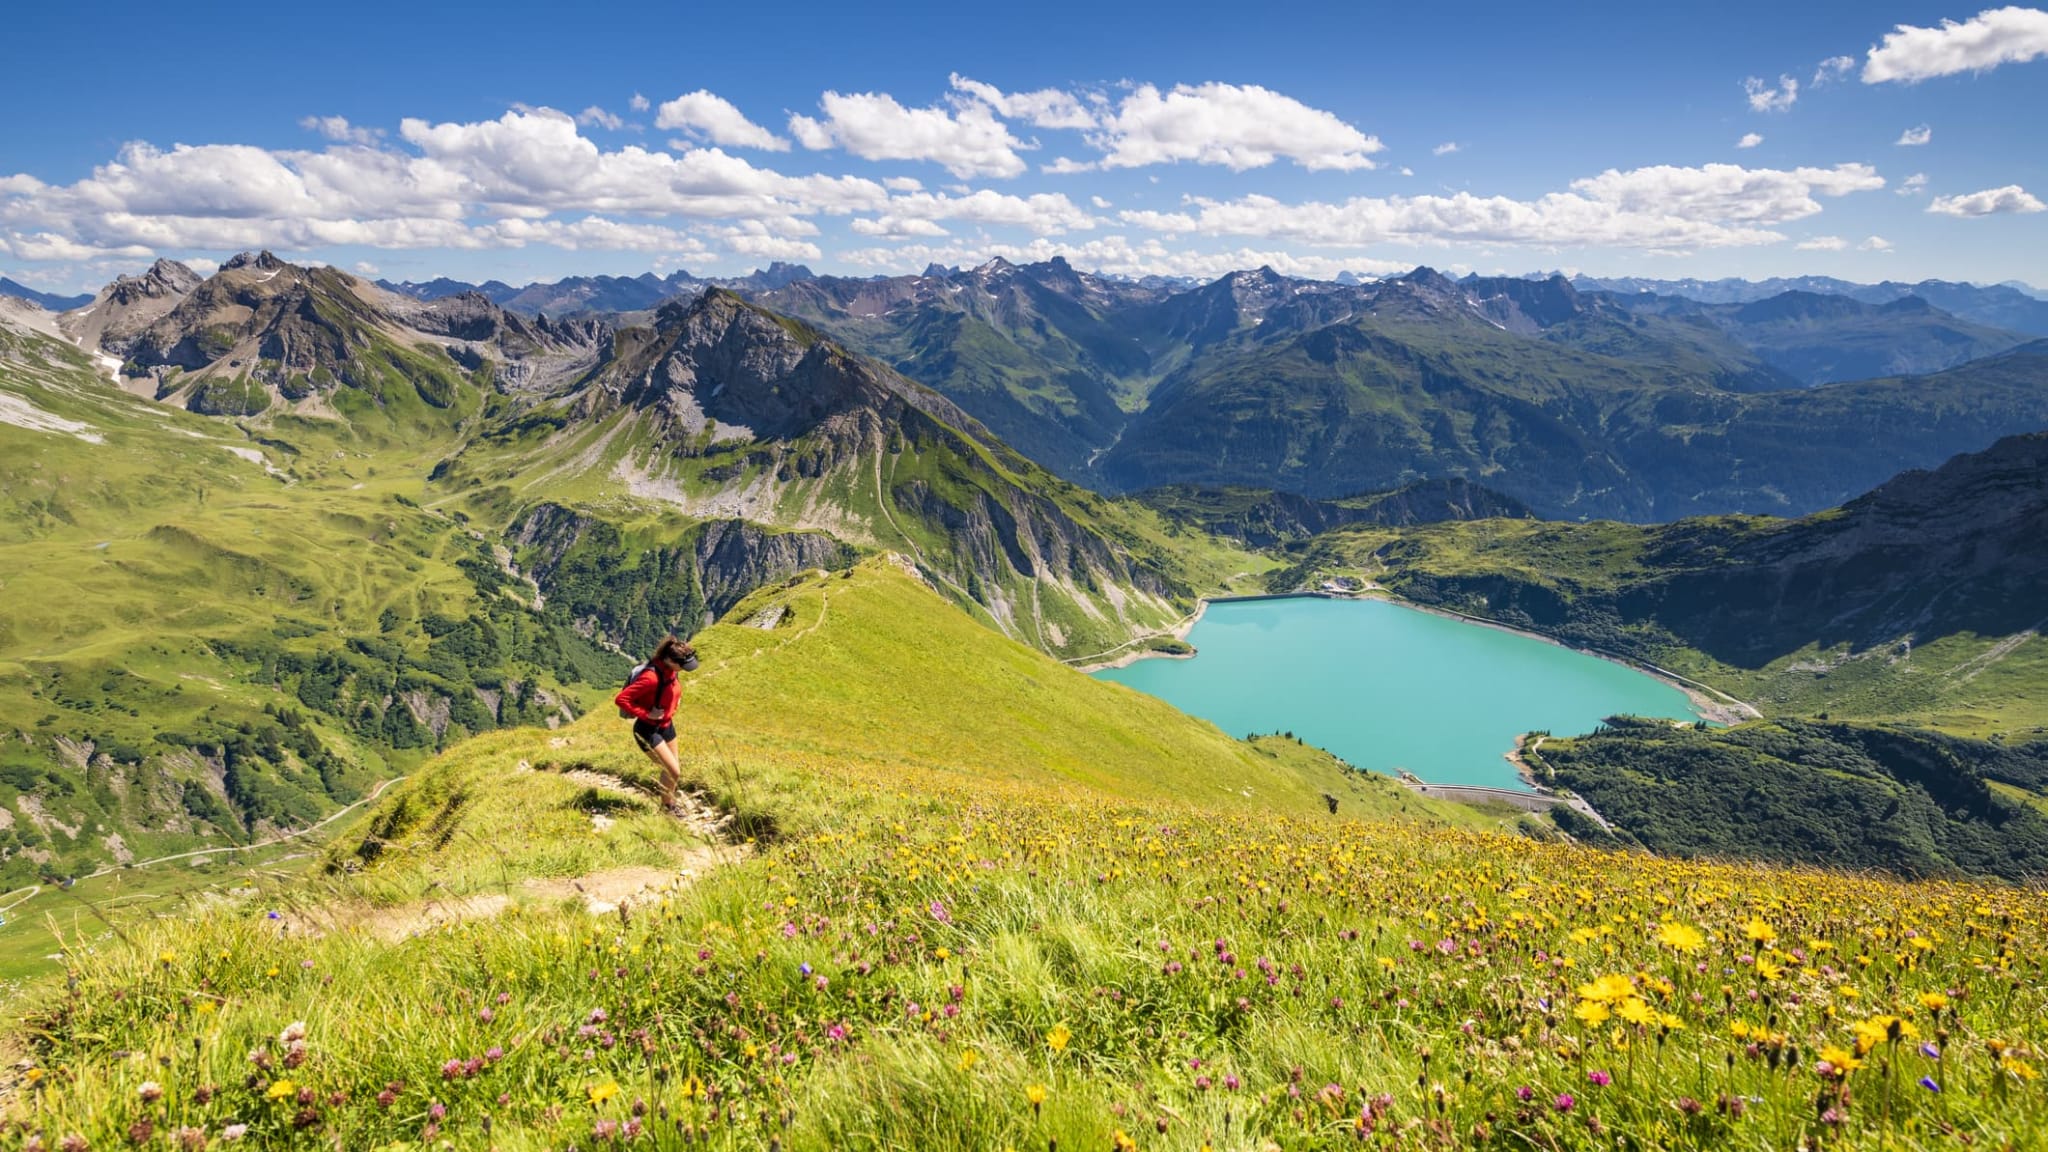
(1708, 703)
(1711, 704)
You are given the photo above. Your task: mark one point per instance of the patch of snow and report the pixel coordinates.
(22, 414)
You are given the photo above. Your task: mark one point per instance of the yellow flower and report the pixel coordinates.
(1608, 989)
(1768, 970)
(1759, 931)
(599, 1093)
(168, 957)
(2020, 1069)
(1634, 1011)
(1386, 963)
(1591, 1011)
(1933, 1001)
(943, 953)
(1843, 1062)
(1058, 1037)
(968, 1059)
(205, 1006)
(1670, 1022)
(1034, 1094)
(1878, 1029)
(1122, 1141)
(280, 1089)
(1681, 937)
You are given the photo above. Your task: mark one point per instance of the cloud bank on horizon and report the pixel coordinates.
(981, 172)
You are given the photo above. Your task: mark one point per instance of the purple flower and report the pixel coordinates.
(597, 1016)
(940, 914)
(1525, 1093)
(495, 1054)
(1928, 1083)
(486, 1015)
(1231, 1082)
(1928, 1050)
(1564, 1102)
(451, 1069)
(438, 1111)
(804, 968)
(1599, 1079)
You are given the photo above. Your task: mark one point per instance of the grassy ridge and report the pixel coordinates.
(219, 629)
(974, 927)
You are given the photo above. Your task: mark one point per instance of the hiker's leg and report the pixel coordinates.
(664, 754)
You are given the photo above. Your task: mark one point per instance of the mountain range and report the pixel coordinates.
(2016, 307)
(522, 499)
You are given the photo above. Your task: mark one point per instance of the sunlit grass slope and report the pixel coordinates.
(1090, 940)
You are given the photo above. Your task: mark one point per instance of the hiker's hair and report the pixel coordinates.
(672, 651)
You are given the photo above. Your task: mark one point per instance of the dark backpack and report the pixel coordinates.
(635, 675)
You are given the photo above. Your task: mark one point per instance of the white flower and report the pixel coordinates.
(296, 1030)
(234, 1132)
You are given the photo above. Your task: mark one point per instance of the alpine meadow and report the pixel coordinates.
(575, 579)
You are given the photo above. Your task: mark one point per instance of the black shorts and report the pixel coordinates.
(647, 735)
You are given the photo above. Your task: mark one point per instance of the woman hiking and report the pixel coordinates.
(650, 698)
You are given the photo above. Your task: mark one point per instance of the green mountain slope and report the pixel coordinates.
(725, 410)
(235, 618)
(1033, 352)
(218, 631)
(1819, 339)
(1842, 795)
(1376, 402)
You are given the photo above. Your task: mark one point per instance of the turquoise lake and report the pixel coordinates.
(1388, 687)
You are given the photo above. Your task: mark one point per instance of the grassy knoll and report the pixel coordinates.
(989, 903)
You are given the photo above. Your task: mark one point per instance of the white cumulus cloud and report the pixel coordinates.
(1875, 244)
(1237, 126)
(1656, 209)
(1913, 185)
(1749, 140)
(1764, 98)
(1832, 69)
(967, 142)
(1914, 137)
(1445, 148)
(712, 117)
(1047, 108)
(339, 129)
(595, 116)
(1990, 202)
(1822, 244)
(1909, 54)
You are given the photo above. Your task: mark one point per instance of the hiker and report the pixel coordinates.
(649, 699)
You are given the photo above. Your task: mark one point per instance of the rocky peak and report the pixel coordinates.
(263, 261)
(165, 278)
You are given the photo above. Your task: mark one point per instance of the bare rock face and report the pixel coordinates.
(126, 308)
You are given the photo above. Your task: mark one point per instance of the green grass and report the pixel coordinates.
(990, 903)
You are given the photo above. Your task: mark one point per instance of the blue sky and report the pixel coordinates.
(416, 140)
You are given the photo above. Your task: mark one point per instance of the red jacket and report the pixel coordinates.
(651, 697)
